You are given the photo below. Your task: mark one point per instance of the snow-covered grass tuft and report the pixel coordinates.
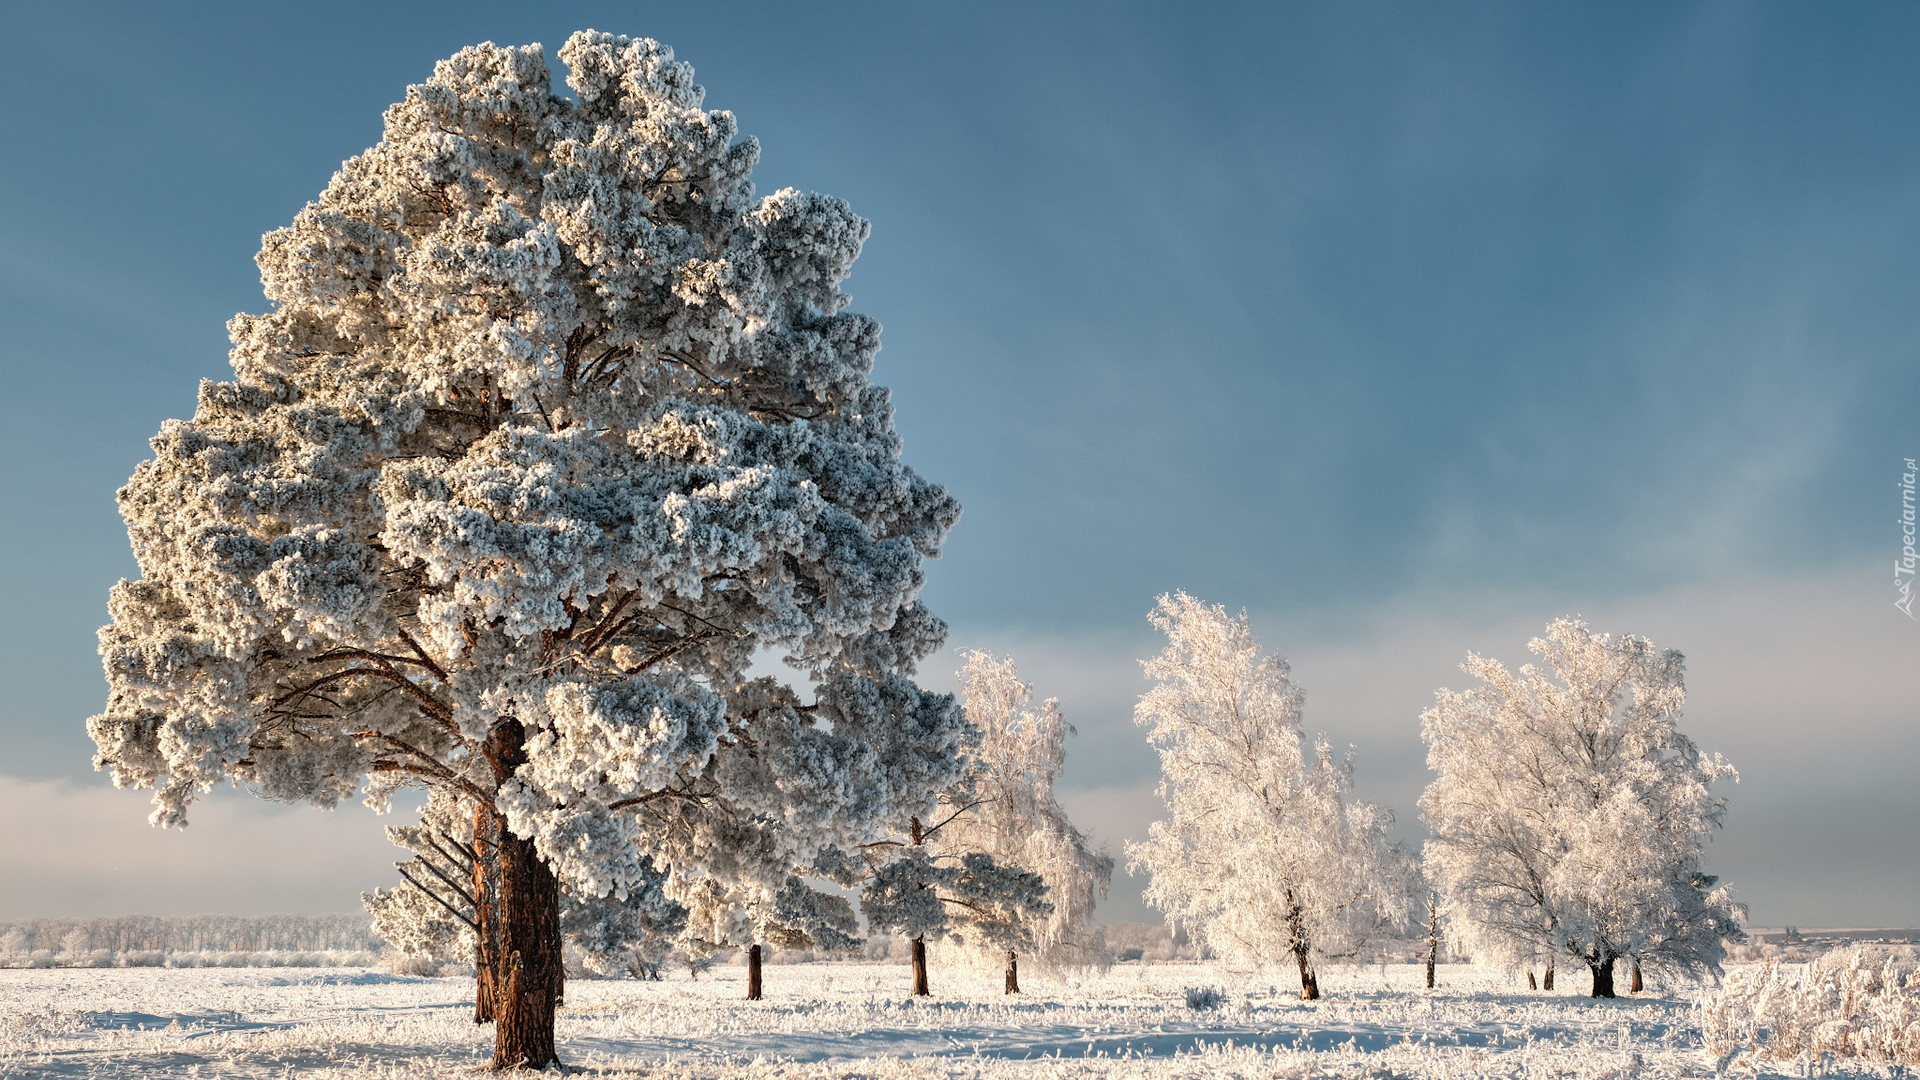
(1858, 1005)
(852, 1020)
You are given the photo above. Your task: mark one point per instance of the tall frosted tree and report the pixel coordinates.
(1008, 810)
(1569, 814)
(1263, 852)
(552, 425)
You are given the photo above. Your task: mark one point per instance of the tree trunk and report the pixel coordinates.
(528, 971)
(919, 943)
(1637, 984)
(1309, 982)
(1302, 949)
(1531, 985)
(1013, 972)
(753, 972)
(486, 918)
(1602, 975)
(1548, 982)
(1433, 936)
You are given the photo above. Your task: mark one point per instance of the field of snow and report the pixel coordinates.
(843, 1020)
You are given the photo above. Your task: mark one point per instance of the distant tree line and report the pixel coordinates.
(196, 933)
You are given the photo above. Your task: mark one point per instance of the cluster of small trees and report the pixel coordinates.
(1568, 814)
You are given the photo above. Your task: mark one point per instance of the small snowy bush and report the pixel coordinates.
(1200, 998)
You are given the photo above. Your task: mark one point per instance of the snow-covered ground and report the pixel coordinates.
(841, 1020)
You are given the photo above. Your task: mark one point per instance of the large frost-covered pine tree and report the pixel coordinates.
(1262, 853)
(1570, 815)
(552, 425)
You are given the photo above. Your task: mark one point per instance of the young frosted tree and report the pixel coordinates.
(1262, 854)
(1570, 815)
(554, 423)
(450, 899)
(1006, 809)
(450, 902)
(918, 891)
(793, 916)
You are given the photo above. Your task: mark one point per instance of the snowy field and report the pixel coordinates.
(842, 1020)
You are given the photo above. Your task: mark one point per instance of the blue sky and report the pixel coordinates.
(1406, 327)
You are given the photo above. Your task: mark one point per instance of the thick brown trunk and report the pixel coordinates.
(486, 918)
(1531, 985)
(1013, 972)
(1637, 984)
(1547, 983)
(753, 972)
(528, 966)
(1602, 976)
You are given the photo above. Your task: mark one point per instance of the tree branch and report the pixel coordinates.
(435, 897)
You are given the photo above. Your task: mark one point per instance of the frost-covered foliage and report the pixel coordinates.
(793, 915)
(1005, 808)
(966, 899)
(447, 885)
(445, 907)
(1860, 1005)
(553, 424)
(1569, 814)
(631, 933)
(1263, 853)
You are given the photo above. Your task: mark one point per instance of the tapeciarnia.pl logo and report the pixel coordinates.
(1904, 564)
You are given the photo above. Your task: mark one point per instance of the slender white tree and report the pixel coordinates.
(1262, 853)
(553, 425)
(1569, 814)
(1006, 808)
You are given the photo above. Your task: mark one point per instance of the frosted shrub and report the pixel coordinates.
(1859, 1003)
(395, 962)
(273, 958)
(1201, 998)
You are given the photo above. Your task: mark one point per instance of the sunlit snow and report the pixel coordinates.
(852, 1020)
